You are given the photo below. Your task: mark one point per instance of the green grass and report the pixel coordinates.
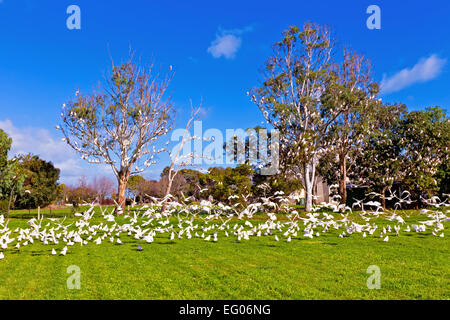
(47, 213)
(413, 266)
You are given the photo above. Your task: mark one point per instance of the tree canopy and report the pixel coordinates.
(120, 124)
(41, 182)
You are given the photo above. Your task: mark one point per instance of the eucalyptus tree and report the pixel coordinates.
(5, 146)
(426, 136)
(120, 125)
(5, 165)
(11, 174)
(40, 182)
(381, 161)
(295, 78)
(353, 92)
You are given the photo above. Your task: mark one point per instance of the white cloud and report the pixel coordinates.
(426, 69)
(40, 142)
(227, 43)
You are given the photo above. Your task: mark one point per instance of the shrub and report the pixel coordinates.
(3, 205)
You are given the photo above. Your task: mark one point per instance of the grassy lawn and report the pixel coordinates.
(413, 266)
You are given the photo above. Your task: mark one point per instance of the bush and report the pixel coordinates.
(3, 205)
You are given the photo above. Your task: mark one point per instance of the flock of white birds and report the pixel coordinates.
(211, 221)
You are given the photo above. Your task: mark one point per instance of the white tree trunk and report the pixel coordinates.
(309, 175)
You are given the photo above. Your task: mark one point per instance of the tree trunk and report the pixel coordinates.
(10, 199)
(343, 179)
(309, 196)
(169, 187)
(309, 184)
(383, 197)
(122, 182)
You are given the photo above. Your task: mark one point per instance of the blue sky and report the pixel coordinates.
(216, 48)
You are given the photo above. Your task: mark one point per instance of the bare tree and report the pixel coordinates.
(121, 123)
(103, 186)
(178, 159)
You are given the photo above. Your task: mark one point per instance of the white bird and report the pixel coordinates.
(53, 252)
(308, 234)
(386, 239)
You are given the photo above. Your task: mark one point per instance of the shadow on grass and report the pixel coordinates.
(166, 242)
(45, 216)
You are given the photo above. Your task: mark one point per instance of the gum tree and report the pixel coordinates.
(426, 136)
(296, 77)
(41, 182)
(381, 161)
(353, 92)
(5, 146)
(121, 123)
(11, 174)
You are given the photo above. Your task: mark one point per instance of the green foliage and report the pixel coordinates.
(264, 186)
(443, 176)
(409, 148)
(225, 182)
(328, 168)
(4, 205)
(11, 174)
(134, 184)
(426, 135)
(40, 180)
(5, 146)
(381, 164)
